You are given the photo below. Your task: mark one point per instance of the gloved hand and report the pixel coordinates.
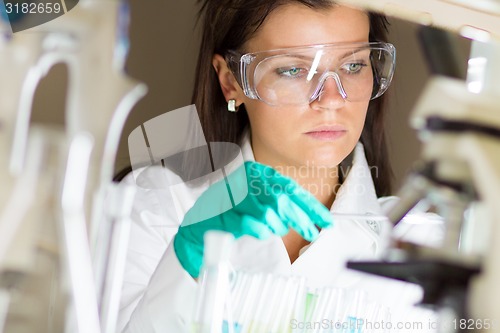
(273, 204)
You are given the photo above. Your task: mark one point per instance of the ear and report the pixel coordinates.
(229, 86)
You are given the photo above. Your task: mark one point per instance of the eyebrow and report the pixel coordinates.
(354, 51)
(308, 57)
(320, 51)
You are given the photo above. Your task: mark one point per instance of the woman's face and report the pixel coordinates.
(325, 131)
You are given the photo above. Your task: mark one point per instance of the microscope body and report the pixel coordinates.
(459, 124)
(463, 144)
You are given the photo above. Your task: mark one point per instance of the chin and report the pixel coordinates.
(326, 156)
(330, 160)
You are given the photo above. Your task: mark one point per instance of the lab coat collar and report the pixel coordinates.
(357, 194)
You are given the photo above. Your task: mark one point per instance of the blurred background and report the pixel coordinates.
(164, 42)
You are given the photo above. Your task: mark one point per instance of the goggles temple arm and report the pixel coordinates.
(233, 61)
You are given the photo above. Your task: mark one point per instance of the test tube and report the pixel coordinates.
(257, 323)
(336, 309)
(295, 297)
(238, 293)
(282, 312)
(251, 300)
(215, 285)
(355, 311)
(300, 304)
(318, 314)
(274, 303)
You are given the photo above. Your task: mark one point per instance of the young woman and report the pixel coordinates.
(299, 85)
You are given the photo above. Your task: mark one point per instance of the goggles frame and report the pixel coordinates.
(243, 65)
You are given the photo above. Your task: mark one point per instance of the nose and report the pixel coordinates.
(330, 93)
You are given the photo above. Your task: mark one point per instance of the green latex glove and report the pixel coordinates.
(254, 200)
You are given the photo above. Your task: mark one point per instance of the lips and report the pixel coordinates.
(327, 132)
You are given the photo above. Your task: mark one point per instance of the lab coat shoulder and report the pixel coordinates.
(157, 291)
(154, 220)
(152, 272)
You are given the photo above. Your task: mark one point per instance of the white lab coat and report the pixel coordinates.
(159, 296)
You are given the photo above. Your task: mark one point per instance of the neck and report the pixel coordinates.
(322, 182)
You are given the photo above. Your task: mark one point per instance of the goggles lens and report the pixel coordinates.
(297, 75)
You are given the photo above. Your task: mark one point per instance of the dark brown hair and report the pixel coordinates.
(227, 25)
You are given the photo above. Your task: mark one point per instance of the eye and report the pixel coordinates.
(353, 67)
(291, 72)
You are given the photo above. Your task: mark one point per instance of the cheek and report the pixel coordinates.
(268, 121)
(359, 117)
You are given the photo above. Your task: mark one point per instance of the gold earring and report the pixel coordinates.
(231, 105)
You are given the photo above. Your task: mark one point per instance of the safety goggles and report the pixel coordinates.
(291, 76)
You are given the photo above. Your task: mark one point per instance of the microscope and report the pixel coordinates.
(459, 171)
